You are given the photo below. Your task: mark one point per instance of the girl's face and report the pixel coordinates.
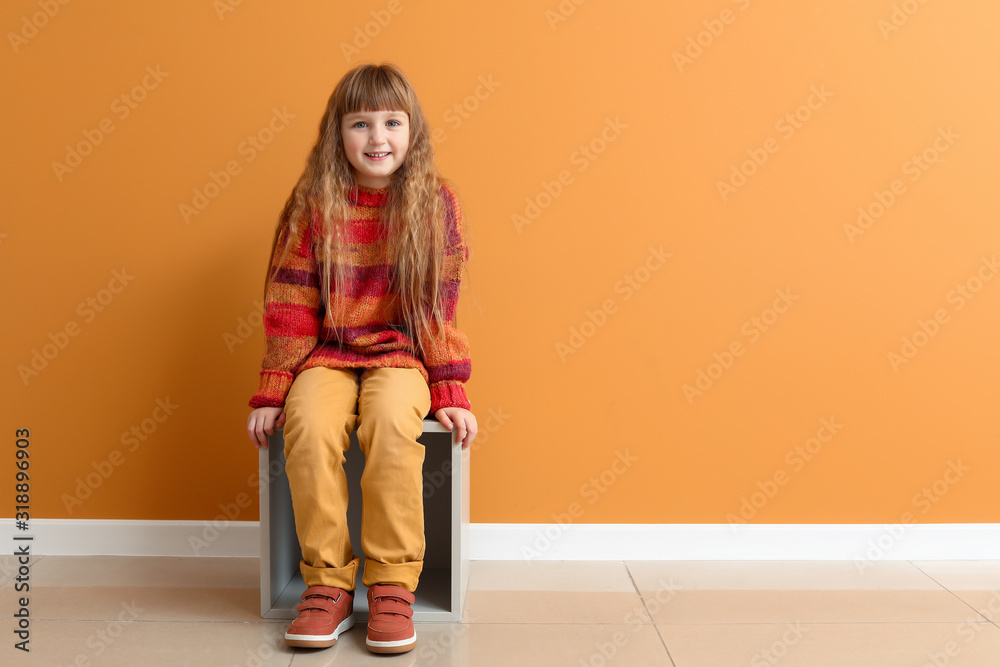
(375, 143)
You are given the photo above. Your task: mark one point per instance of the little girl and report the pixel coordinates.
(370, 214)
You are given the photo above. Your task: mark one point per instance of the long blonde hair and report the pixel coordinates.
(414, 212)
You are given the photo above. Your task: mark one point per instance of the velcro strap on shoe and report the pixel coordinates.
(317, 602)
(387, 591)
(328, 591)
(392, 606)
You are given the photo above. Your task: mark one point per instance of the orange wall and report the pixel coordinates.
(885, 88)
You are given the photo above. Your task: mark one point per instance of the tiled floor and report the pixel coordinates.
(111, 610)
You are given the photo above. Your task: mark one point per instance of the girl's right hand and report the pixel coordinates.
(263, 421)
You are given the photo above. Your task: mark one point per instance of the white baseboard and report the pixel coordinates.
(506, 541)
(714, 541)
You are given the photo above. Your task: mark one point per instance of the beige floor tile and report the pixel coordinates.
(147, 603)
(163, 571)
(156, 644)
(154, 588)
(807, 606)
(553, 607)
(10, 566)
(438, 644)
(149, 644)
(966, 575)
(833, 645)
(779, 575)
(790, 591)
(153, 611)
(8, 569)
(985, 604)
(566, 575)
(503, 645)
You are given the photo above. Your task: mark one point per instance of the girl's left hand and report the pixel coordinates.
(461, 418)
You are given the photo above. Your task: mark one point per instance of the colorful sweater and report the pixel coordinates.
(298, 335)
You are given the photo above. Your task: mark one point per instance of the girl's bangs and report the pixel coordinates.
(376, 92)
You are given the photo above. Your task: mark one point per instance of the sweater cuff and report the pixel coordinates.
(448, 395)
(273, 388)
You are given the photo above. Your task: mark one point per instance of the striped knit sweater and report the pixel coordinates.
(297, 337)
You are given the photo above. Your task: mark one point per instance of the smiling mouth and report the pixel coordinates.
(376, 155)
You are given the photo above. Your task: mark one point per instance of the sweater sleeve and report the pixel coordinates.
(292, 318)
(447, 361)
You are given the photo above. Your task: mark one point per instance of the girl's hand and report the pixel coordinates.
(463, 419)
(263, 421)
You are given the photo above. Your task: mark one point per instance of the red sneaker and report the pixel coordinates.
(325, 612)
(390, 619)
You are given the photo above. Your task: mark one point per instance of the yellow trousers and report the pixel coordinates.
(322, 409)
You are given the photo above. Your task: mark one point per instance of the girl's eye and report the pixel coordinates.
(361, 122)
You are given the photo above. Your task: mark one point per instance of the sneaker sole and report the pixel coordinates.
(397, 646)
(320, 641)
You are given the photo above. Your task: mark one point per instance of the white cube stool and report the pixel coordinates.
(445, 576)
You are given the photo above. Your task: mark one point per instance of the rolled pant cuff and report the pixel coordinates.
(402, 574)
(341, 577)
